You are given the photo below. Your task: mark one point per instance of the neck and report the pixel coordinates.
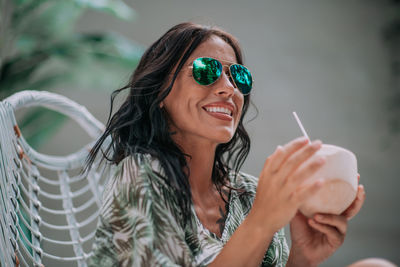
(200, 165)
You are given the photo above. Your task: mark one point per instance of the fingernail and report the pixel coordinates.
(321, 160)
(319, 183)
(316, 143)
(302, 138)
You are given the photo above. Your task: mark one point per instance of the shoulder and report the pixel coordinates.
(137, 176)
(136, 165)
(138, 168)
(139, 185)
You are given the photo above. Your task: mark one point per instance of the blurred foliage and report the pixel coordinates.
(41, 50)
(391, 35)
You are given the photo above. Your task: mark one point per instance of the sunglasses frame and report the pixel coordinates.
(230, 73)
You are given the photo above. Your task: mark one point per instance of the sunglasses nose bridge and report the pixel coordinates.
(229, 76)
(225, 85)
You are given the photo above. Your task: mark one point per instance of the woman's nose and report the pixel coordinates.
(225, 85)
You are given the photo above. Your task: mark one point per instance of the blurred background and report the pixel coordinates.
(337, 63)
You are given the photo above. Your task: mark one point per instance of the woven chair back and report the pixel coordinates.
(49, 210)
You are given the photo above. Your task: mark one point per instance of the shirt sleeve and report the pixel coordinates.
(278, 251)
(136, 225)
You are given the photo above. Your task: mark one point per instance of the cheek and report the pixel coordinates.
(240, 105)
(176, 105)
(172, 99)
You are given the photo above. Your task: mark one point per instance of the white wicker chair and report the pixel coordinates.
(48, 210)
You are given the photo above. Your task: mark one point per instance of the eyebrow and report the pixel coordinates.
(222, 60)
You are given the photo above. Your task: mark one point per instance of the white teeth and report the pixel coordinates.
(219, 109)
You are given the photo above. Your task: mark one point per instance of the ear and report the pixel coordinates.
(161, 104)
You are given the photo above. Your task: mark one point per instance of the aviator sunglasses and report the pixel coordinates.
(207, 70)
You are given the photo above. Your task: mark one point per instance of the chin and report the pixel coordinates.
(224, 139)
(217, 135)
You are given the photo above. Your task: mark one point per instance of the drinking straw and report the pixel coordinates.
(301, 126)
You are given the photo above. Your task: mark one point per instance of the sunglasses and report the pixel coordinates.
(207, 70)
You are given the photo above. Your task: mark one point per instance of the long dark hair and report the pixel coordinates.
(140, 125)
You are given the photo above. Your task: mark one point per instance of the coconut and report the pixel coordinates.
(339, 189)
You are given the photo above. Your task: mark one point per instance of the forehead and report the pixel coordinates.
(216, 48)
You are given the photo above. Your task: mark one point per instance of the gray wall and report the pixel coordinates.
(324, 59)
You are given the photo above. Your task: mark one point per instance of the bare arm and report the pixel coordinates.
(246, 247)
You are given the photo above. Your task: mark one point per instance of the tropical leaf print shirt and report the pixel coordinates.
(137, 226)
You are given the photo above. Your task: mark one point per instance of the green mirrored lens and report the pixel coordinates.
(242, 78)
(206, 70)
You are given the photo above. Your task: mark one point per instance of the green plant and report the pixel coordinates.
(40, 49)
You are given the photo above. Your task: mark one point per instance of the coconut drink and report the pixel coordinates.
(339, 176)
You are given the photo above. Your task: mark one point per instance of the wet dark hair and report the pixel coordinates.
(141, 126)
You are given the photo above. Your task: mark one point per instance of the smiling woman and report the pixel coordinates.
(178, 196)
(205, 115)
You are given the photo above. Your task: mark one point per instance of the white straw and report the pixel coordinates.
(301, 125)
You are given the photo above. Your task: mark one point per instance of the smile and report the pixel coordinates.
(222, 110)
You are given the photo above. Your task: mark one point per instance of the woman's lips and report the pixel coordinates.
(219, 115)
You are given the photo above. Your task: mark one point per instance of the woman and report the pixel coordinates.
(178, 197)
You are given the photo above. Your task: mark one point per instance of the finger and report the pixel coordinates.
(338, 221)
(305, 190)
(281, 153)
(275, 160)
(355, 207)
(332, 233)
(298, 157)
(307, 170)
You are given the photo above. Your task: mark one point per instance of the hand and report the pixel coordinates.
(355, 207)
(316, 239)
(281, 187)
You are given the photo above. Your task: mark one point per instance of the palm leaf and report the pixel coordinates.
(84, 60)
(39, 50)
(116, 8)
